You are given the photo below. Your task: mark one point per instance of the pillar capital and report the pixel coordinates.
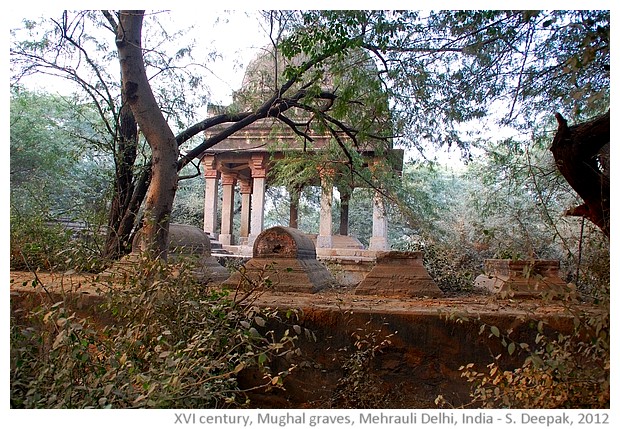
(245, 186)
(210, 167)
(258, 165)
(229, 178)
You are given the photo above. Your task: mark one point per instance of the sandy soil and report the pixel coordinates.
(334, 298)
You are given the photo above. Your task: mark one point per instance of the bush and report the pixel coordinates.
(453, 267)
(359, 387)
(171, 342)
(559, 371)
(39, 245)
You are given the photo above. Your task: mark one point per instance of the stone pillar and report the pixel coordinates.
(345, 197)
(210, 209)
(378, 241)
(228, 184)
(258, 165)
(324, 239)
(245, 187)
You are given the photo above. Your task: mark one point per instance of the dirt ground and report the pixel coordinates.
(333, 298)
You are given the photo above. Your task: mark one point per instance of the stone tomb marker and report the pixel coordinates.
(522, 278)
(399, 274)
(184, 241)
(288, 258)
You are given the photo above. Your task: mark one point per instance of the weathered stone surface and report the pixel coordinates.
(288, 258)
(184, 241)
(399, 274)
(283, 242)
(349, 272)
(522, 278)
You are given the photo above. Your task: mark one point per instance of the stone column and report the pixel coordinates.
(345, 197)
(210, 210)
(378, 241)
(228, 184)
(245, 187)
(258, 165)
(324, 239)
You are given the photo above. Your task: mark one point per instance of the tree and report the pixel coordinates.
(69, 50)
(446, 71)
(164, 145)
(440, 70)
(50, 161)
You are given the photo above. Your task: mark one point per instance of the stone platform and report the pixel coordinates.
(399, 274)
(520, 278)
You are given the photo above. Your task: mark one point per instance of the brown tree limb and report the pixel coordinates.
(577, 151)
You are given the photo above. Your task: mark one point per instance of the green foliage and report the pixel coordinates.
(52, 169)
(55, 177)
(452, 266)
(168, 342)
(36, 244)
(444, 68)
(188, 205)
(558, 371)
(358, 387)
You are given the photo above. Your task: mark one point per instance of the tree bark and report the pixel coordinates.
(164, 149)
(121, 216)
(581, 154)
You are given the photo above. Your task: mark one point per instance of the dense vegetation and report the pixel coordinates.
(78, 160)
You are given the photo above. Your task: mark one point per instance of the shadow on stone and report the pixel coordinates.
(288, 257)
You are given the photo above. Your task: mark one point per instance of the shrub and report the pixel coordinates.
(453, 267)
(359, 386)
(37, 244)
(171, 342)
(559, 371)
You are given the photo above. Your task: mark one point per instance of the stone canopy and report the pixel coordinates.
(241, 163)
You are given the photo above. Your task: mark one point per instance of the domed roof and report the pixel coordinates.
(265, 73)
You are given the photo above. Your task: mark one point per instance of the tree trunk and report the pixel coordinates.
(158, 134)
(581, 154)
(121, 216)
(293, 215)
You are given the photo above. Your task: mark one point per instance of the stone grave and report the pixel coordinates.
(185, 242)
(520, 278)
(288, 257)
(399, 274)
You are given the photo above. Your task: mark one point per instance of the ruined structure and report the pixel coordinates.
(520, 278)
(288, 258)
(186, 242)
(399, 274)
(242, 163)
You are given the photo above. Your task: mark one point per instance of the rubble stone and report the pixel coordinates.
(521, 278)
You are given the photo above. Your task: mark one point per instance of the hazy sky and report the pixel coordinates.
(235, 35)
